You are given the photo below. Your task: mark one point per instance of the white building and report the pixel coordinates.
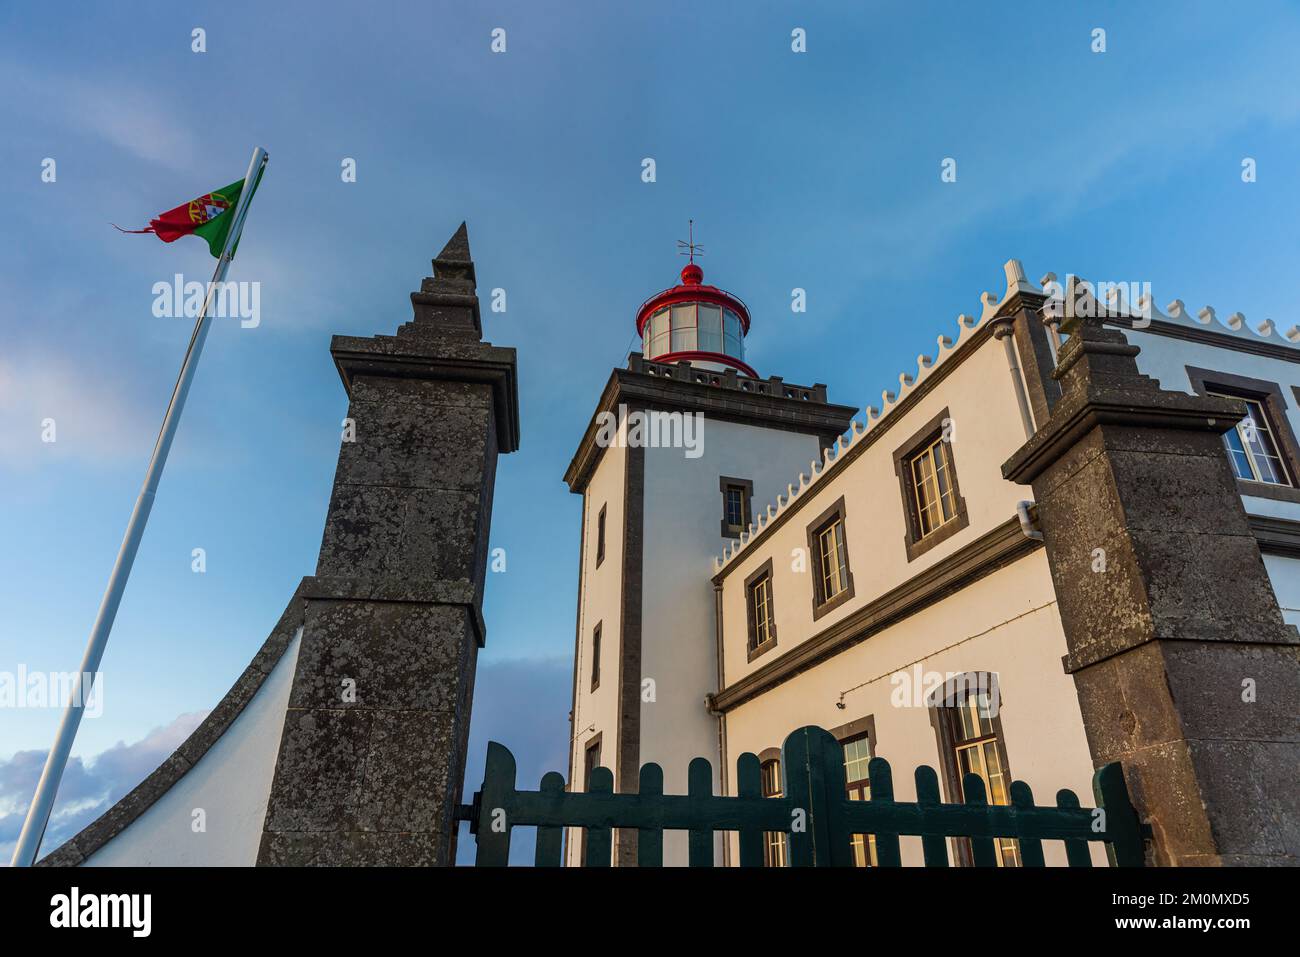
(874, 575)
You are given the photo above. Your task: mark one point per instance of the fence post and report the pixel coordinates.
(882, 789)
(599, 838)
(982, 849)
(550, 840)
(749, 784)
(650, 840)
(934, 847)
(1076, 852)
(1122, 825)
(495, 807)
(1031, 848)
(699, 784)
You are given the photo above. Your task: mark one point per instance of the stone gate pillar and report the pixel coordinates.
(372, 757)
(1184, 668)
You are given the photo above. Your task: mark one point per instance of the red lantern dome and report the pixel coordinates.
(703, 325)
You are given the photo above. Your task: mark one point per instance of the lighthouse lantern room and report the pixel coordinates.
(703, 325)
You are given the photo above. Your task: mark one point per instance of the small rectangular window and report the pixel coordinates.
(737, 505)
(600, 536)
(1252, 447)
(933, 508)
(831, 556)
(735, 508)
(932, 487)
(828, 548)
(595, 657)
(591, 761)
(760, 598)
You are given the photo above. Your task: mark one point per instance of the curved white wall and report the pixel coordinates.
(231, 783)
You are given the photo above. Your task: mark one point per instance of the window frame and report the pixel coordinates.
(942, 706)
(726, 482)
(1271, 398)
(863, 729)
(776, 851)
(595, 655)
(821, 604)
(600, 535)
(915, 542)
(753, 647)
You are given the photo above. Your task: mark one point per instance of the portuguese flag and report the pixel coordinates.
(208, 217)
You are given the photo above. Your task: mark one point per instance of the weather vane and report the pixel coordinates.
(690, 247)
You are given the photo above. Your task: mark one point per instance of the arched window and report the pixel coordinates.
(966, 713)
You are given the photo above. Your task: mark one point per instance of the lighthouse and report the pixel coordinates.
(654, 515)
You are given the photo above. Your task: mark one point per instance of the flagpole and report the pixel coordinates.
(38, 815)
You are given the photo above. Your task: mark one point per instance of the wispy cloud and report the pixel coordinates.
(89, 787)
(92, 419)
(135, 119)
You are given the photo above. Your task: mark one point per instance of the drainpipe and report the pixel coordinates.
(1027, 524)
(1003, 330)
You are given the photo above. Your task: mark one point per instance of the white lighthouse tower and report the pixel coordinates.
(699, 438)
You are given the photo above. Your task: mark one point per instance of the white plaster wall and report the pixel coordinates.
(683, 515)
(986, 430)
(1006, 623)
(231, 783)
(600, 600)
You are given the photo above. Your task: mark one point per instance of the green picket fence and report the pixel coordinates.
(814, 812)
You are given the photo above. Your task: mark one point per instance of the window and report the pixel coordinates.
(591, 761)
(933, 507)
(684, 327)
(759, 611)
(970, 741)
(600, 536)
(857, 755)
(831, 564)
(733, 340)
(1261, 448)
(737, 498)
(734, 506)
(773, 841)
(710, 328)
(659, 333)
(595, 657)
(828, 550)
(1251, 448)
(932, 486)
(858, 739)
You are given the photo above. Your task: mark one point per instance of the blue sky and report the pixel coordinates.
(817, 170)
